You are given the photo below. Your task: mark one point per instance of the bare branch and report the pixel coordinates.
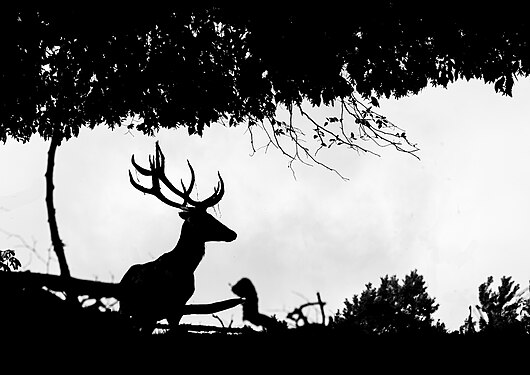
(321, 304)
(293, 133)
(219, 319)
(249, 129)
(205, 328)
(298, 315)
(23, 244)
(356, 127)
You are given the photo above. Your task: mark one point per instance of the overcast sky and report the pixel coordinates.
(457, 216)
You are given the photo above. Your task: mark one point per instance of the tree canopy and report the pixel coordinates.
(504, 311)
(191, 66)
(393, 308)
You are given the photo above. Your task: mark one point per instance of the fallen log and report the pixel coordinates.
(80, 287)
(95, 289)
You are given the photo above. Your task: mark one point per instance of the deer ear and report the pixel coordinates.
(184, 215)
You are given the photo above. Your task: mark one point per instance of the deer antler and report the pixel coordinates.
(157, 173)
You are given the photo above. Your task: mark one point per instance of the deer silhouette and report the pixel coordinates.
(160, 289)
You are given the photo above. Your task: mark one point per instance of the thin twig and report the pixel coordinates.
(32, 248)
(369, 125)
(219, 319)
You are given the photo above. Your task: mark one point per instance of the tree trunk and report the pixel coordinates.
(57, 243)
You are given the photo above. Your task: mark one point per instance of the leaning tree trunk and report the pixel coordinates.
(57, 243)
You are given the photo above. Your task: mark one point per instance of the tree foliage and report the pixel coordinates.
(393, 308)
(505, 310)
(194, 65)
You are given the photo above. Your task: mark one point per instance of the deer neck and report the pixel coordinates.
(188, 252)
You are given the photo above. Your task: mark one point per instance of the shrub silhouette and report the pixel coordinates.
(393, 308)
(504, 311)
(8, 261)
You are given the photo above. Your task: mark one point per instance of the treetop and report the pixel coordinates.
(170, 66)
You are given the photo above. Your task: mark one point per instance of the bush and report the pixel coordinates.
(393, 308)
(8, 261)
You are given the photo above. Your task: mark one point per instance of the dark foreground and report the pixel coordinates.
(293, 351)
(71, 340)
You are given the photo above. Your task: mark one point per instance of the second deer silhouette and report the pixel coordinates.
(160, 289)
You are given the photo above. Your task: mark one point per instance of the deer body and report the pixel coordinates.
(159, 289)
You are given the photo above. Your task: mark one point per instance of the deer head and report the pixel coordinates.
(199, 226)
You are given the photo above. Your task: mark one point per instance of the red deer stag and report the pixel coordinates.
(160, 289)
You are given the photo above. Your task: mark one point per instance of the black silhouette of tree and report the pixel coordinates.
(393, 308)
(469, 326)
(503, 311)
(191, 66)
(525, 315)
(149, 68)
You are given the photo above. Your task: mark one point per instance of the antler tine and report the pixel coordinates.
(141, 170)
(186, 193)
(160, 160)
(137, 186)
(217, 194)
(155, 190)
(156, 171)
(160, 165)
(192, 183)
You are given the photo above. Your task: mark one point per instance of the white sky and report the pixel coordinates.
(458, 215)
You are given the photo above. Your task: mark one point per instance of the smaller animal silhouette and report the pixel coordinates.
(159, 289)
(245, 289)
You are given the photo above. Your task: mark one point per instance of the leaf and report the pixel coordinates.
(374, 102)
(14, 263)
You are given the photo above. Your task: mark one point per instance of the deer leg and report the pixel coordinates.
(174, 320)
